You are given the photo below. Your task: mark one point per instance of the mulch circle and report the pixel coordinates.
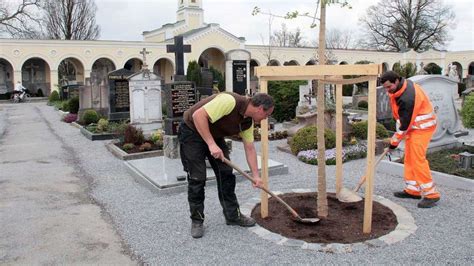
(343, 224)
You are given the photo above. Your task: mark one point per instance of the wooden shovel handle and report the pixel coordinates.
(362, 179)
(293, 212)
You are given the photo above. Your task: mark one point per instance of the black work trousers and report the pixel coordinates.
(193, 151)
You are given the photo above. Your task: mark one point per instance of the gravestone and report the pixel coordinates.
(239, 76)
(383, 108)
(145, 101)
(237, 63)
(119, 92)
(307, 99)
(205, 89)
(94, 94)
(439, 89)
(178, 48)
(179, 96)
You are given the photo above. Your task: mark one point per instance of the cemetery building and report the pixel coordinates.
(36, 62)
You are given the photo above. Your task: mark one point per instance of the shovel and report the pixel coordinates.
(292, 211)
(345, 195)
(362, 179)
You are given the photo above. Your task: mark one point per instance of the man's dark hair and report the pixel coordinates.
(390, 76)
(262, 99)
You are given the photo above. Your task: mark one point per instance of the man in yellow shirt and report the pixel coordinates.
(201, 135)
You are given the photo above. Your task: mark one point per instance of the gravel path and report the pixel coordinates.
(155, 227)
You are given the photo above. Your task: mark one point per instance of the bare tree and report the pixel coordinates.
(71, 19)
(20, 19)
(407, 24)
(339, 39)
(286, 38)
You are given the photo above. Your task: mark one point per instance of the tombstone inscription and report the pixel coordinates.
(239, 76)
(119, 94)
(180, 96)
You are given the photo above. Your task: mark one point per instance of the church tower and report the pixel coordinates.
(191, 12)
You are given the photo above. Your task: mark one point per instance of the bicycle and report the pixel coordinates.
(18, 98)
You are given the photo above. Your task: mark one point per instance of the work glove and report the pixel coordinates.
(392, 147)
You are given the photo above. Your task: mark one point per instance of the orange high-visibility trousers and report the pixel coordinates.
(418, 179)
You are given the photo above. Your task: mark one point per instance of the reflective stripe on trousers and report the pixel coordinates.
(418, 177)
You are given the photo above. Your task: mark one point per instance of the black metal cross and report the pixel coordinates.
(178, 49)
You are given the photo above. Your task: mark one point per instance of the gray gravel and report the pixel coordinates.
(155, 227)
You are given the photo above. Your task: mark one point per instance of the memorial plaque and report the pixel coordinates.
(122, 96)
(180, 96)
(239, 76)
(119, 94)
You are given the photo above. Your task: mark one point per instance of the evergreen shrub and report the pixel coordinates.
(73, 105)
(467, 112)
(306, 139)
(359, 130)
(90, 116)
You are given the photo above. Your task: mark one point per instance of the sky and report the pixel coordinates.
(126, 19)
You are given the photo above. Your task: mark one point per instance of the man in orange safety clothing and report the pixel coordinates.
(416, 123)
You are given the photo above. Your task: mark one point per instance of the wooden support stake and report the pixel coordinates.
(369, 187)
(339, 133)
(264, 159)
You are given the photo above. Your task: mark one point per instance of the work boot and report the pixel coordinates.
(427, 203)
(404, 195)
(243, 221)
(197, 229)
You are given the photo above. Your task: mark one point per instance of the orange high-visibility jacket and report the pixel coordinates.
(411, 109)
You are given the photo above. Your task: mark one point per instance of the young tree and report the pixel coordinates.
(407, 24)
(19, 20)
(321, 5)
(70, 20)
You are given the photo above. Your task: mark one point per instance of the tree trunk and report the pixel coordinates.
(322, 201)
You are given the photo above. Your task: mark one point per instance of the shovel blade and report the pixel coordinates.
(346, 195)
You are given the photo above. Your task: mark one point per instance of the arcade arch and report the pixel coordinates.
(212, 57)
(164, 68)
(470, 69)
(133, 64)
(253, 63)
(458, 68)
(102, 67)
(6, 76)
(71, 70)
(273, 62)
(36, 76)
(291, 63)
(311, 62)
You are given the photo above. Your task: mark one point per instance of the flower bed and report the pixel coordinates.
(350, 152)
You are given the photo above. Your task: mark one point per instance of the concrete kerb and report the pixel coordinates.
(406, 226)
(439, 178)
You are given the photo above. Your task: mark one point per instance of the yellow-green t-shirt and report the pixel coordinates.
(221, 106)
